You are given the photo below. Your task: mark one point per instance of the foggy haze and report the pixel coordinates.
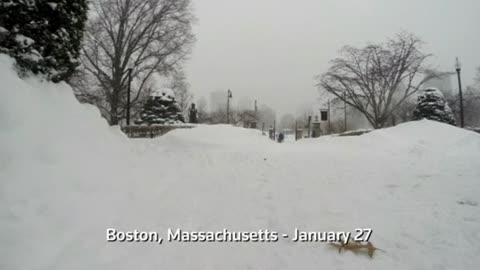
(270, 50)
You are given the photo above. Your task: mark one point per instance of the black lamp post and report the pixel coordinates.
(309, 119)
(229, 96)
(128, 95)
(458, 68)
(345, 111)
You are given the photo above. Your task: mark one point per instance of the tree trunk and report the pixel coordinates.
(113, 120)
(114, 114)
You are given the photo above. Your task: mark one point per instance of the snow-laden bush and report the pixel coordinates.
(44, 36)
(161, 108)
(431, 104)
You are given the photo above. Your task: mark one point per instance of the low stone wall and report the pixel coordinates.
(151, 131)
(475, 129)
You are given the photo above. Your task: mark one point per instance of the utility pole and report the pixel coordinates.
(309, 126)
(458, 67)
(296, 130)
(128, 95)
(329, 122)
(345, 110)
(229, 95)
(256, 113)
(274, 129)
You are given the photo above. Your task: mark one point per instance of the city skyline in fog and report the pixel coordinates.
(271, 50)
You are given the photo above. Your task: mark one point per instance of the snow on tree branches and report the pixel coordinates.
(161, 108)
(44, 36)
(151, 38)
(433, 106)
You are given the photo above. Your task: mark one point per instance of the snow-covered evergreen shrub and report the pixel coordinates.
(431, 104)
(161, 108)
(44, 36)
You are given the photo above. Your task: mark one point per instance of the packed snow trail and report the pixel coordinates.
(65, 177)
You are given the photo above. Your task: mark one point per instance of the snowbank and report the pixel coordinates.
(216, 136)
(59, 171)
(65, 177)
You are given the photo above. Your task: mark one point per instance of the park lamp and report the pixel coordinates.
(128, 94)
(458, 65)
(229, 96)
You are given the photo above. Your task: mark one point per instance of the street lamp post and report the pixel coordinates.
(296, 130)
(458, 67)
(309, 120)
(229, 96)
(128, 95)
(274, 129)
(345, 111)
(329, 122)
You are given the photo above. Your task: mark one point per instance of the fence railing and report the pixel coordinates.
(151, 131)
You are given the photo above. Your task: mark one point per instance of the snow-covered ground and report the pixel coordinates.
(65, 177)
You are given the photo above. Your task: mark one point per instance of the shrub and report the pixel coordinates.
(44, 36)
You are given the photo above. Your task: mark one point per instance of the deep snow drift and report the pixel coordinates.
(65, 177)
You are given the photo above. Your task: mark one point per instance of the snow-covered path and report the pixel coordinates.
(65, 181)
(405, 183)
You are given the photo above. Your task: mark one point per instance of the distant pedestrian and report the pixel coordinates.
(281, 137)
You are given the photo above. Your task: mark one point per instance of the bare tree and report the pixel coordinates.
(472, 102)
(218, 100)
(215, 116)
(477, 77)
(404, 111)
(180, 87)
(202, 110)
(377, 79)
(266, 116)
(287, 121)
(244, 118)
(148, 36)
(471, 105)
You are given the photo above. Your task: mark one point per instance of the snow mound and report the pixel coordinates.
(423, 135)
(216, 135)
(65, 177)
(435, 135)
(56, 167)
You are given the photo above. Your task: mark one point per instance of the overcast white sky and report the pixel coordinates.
(270, 50)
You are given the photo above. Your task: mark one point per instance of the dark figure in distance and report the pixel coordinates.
(192, 114)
